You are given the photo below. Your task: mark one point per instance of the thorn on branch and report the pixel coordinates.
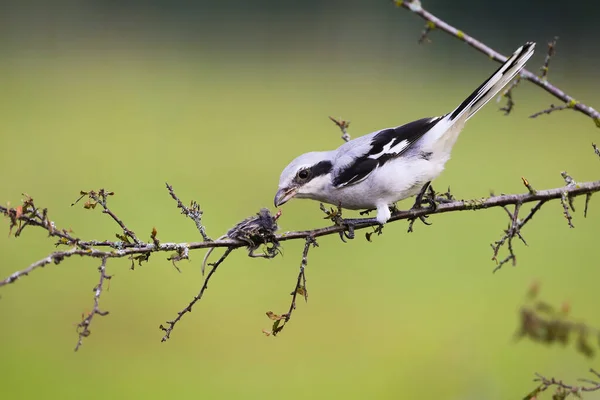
(588, 197)
(343, 125)
(528, 186)
(83, 328)
(193, 212)
(280, 321)
(549, 54)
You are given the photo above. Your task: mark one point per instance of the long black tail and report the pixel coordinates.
(494, 83)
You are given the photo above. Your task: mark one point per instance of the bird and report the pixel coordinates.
(374, 171)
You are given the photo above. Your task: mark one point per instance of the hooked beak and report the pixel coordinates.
(284, 195)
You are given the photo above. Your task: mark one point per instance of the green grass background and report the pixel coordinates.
(408, 316)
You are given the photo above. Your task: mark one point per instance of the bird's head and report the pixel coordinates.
(304, 177)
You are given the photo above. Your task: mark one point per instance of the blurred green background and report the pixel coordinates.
(216, 98)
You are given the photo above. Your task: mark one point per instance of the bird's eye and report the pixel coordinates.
(303, 174)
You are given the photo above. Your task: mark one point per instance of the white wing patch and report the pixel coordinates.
(388, 149)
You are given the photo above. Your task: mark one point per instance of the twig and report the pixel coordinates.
(118, 251)
(549, 110)
(596, 149)
(83, 328)
(171, 324)
(549, 54)
(416, 8)
(566, 389)
(566, 200)
(512, 231)
(429, 27)
(281, 320)
(343, 125)
(101, 197)
(510, 103)
(194, 212)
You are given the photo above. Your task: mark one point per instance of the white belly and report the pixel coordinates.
(396, 180)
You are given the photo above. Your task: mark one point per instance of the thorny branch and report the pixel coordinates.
(434, 22)
(262, 232)
(83, 328)
(29, 214)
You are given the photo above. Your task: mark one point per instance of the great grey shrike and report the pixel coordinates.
(376, 170)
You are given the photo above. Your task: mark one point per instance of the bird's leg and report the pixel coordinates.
(425, 196)
(349, 223)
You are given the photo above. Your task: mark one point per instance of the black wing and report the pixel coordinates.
(385, 145)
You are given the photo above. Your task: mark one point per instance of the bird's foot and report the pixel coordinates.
(335, 215)
(425, 197)
(351, 223)
(376, 230)
(444, 198)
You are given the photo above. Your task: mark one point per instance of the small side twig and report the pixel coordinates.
(343, 125)
(193, 212)
(101, 197)
(563, 389)
(83, 328)
(567, 201)
(279, 321)
(510, 103)
(171, 324)
(549, 54)
(429, 27)
(514, 229)
(596, 149)
(549, 110)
